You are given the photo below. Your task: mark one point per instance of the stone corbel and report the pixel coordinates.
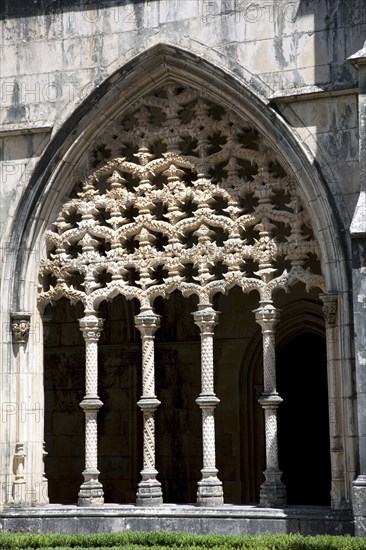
(20, 326)
(330, 307)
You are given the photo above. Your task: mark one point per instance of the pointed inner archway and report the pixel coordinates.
(178, 195)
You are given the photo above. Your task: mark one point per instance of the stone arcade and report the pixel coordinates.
(182, 323)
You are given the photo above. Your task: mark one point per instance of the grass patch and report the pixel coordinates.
(167, 541)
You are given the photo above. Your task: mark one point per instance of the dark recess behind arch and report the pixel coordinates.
(303, 430)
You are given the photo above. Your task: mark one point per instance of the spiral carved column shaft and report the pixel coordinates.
(91, 490)
(273, 491)
(210, 491)
(149, 490)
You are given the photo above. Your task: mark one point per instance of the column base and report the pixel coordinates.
(91, 491)
(210, 491)
(359, 505)
(42, 493)
(19, 493)
(149, 491)
(273, 491)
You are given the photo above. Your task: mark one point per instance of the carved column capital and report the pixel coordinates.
(206, 319)
(330, 307)
(147, 322)
(267, 316)
(20, 326)
(91, 326)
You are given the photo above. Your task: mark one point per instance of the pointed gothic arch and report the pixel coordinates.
(179, 195)
(165, 63)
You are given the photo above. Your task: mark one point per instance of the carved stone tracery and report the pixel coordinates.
(182, 194)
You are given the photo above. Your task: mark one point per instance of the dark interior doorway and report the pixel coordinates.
(303, 422)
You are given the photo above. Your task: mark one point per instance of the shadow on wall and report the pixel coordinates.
(331, 41)
(29, 8)
(326, 33)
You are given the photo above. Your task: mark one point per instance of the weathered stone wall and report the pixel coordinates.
(52, 58)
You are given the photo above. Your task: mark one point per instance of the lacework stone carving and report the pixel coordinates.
(149, 442)
(181, 194)
(271, 439)
(91, 373)
(208, 430)
(266, 317)
(90, 439)
(206, 319)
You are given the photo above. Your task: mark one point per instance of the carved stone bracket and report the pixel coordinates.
(20, 326)
(330, 307)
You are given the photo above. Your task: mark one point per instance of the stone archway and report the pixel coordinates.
(51, 184)
(179, 194)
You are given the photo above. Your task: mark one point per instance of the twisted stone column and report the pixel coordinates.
(210, 491)
(149, 491)
(273, 491)
(91, 490)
